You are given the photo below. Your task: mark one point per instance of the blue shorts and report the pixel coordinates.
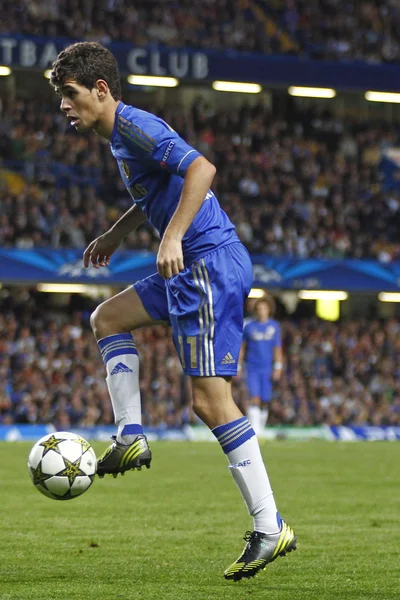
(259, 383)
(204, 305)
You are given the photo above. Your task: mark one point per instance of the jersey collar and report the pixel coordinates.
(121, 106)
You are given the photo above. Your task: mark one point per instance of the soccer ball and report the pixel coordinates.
(62, 465)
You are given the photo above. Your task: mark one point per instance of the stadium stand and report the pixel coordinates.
(308, 187)
(51, 370)
(207, 24)
(322, 29)
(335, 30)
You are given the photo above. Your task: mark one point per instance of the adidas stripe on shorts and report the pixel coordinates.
(204, 305)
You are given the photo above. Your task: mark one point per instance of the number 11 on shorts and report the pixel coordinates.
(190, 341)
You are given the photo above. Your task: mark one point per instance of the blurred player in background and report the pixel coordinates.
(261, 353)
(204, 276)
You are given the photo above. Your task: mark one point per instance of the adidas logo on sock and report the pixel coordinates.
(120, 368)
(228, 359)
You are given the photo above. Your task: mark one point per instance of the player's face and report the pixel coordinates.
(262, 311)
(80, 105)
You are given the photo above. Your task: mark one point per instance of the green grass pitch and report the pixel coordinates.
(168, 533)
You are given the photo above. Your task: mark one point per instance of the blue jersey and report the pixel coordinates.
(153, 160)
(261, 339)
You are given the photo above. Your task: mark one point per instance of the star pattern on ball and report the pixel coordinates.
(72, 470)
(39, 478)
(51, 444)
(85, 445)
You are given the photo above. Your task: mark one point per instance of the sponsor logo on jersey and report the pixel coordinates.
(267, 335)
(125, 168)
(167, 153)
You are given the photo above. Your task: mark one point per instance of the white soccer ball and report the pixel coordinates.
(62, 465)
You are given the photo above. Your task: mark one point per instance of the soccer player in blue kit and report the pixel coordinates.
(203, 277)
(262, 354)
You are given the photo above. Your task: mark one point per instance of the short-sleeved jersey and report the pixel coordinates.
(261, 338)
(153, 160)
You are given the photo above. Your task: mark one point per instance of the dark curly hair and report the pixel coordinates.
(86, 62)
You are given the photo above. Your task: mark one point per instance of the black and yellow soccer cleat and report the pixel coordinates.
(119, 458)
(260, 550)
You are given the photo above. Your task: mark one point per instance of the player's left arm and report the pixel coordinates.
(197, 181)
(278, 356)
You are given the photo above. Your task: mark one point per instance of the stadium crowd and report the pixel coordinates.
(51, 370)
(344, 29)
(308, 187)
(323, 29)
(211, 24)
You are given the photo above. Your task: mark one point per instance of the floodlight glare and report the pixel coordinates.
(322, 295)
(236, 86)
(311, 92)
(147, 80)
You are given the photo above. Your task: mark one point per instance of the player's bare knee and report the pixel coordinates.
(202, 396)
(95, 321)
(102, 323)
(201, 403)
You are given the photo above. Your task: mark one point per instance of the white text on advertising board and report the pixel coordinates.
(178, 64)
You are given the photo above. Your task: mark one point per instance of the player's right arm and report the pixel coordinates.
(99, 252)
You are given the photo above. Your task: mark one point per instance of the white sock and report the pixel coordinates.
(254, 416)
(241, 447)
(122, 363)
(264, 417)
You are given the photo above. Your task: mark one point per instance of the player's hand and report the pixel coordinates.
(170, 257)
(99, 252)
